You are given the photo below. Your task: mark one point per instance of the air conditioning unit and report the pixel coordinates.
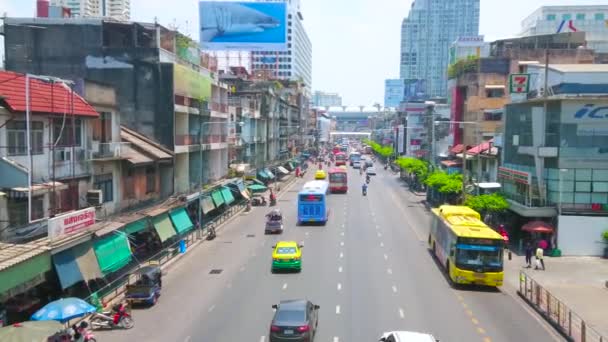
(95, 197)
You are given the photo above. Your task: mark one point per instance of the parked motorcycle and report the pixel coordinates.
(80, 333)
(117, 318)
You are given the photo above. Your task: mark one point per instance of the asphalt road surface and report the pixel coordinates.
(368, 269)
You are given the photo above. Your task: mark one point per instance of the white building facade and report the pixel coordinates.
(323, 99)
(591, 19)
(426, 35)
(117, 9)
(468, 46)
(296, 62)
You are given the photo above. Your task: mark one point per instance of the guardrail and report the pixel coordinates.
(558, 314)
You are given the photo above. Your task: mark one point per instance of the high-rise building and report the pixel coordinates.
(426, 35)
(296, 62)
(117, 9)
(323, 99)
(591, 19)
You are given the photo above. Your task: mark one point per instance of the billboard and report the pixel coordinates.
(71, 223)
(414, 90)
(228, 25)
(189, 83)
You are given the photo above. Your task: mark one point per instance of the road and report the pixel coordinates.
(368, 269)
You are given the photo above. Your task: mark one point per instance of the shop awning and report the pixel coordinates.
(269, 173)
(163, 227)
(23, 265)
(451, 163)
(480, 148)
(207, 204)
(255, 188)
(67, 268)
(136, 227)
(245, 194)
(227, 194)
(181, 220)
(289, 166)
(218, 199)
(457, 149)
(256, 181)
(537, 227)
(87, 261)
(113, 252)
(263, 174)
(283, 170)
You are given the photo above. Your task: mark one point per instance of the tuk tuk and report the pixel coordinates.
(274, 222)
(146, 289)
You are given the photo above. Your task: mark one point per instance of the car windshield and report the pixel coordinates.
(290, 315)
(286, 250)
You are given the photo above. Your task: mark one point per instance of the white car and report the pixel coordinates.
(406, 336)
(356, 165)
(371, 171)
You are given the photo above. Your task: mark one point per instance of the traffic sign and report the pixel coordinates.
(519, 83)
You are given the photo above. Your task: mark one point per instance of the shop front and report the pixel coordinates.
(181, 221)
(164, 228)
(75, 265)
(113, 252)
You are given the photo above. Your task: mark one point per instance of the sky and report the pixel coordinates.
(355, 42)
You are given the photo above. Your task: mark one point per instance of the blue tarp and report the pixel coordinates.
(67, 268)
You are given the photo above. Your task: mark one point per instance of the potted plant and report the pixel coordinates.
(605, 238)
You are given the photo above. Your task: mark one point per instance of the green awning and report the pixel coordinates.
(25, 271)
(113, 252)
(181, 220)
(136, 227)
(218, 199)
(207, 204)
(256, 188)
(269, 173)
(163, 227)
(228, 197)
(263, 174)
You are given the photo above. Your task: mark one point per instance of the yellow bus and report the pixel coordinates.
(470, 251)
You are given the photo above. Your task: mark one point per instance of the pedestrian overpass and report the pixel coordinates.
(351, 135)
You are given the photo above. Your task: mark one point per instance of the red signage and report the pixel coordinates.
(71, 223)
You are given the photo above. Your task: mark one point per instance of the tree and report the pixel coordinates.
(446, 184)
(488, 204)
(412, 165)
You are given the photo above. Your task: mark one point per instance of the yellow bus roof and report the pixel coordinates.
(465, 222)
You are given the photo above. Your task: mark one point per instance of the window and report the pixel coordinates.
(16, 137)
(105, 184)
(102, 127)
(566, 16)
(64, 133)
(150, 179)
(580, 16)
(599, 16)
(550, 17)
(17, 211)
(495, 93)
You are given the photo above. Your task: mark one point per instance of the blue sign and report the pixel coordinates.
(227, 25)
(269, 60)
(592, 112)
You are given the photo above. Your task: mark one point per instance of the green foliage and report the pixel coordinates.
(494, 203)
(444, 183)
(412, 165)
(605, 236)
(463, 66)
(384, 151)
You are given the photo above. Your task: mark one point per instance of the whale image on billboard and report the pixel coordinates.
(226, 25)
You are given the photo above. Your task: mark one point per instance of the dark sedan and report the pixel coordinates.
(294, 321)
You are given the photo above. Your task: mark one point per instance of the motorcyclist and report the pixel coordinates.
(364, 189)
(367, 179)
(272, 198)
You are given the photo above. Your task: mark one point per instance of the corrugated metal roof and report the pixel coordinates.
(45, 97)
(147, 145)
(13, 254)
(579, 67)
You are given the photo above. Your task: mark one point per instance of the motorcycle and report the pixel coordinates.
(117, 318)
(364, 191)
(367, 179)
(273, 201)
(80, 333)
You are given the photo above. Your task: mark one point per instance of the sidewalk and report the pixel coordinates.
(578, 282)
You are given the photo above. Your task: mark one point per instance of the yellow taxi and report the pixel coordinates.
(287, 255)
(320, 174)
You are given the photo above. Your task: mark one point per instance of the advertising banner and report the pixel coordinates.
(256, 26)
(414, 90)
(400, 141)
(190, 83)
(71, 223)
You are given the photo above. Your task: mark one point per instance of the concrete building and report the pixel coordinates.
(295, 63)
(465, 47)
(170, 96)
(591, 19)
(554, 165)
(325, 99)
(426, 35)
(116, 9)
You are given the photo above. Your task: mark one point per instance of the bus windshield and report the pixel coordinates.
(337, 177)
(311, 198)
(479, 258)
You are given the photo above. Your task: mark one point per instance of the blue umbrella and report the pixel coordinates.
(63, 310)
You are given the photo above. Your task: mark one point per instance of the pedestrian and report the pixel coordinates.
(529, 251)
(539, 258)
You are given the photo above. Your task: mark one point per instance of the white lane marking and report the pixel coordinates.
(373, 214)
(284, 286)
(242, 268)
(339, 286)
(389, 271)
(307, 233)
(381, 244)
(229, 285)
(379, 234)
(394, 288)
(342, 243)
(385, 257)
(401, 313)
(340, 269)
(263, 243)
(341, 255)
(253, 254)
(211, 308)
(188, 339)
(343, 225)
(337, 309)
(263, 338)
(342, 233)
(336, 339)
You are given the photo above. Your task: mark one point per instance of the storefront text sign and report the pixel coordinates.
(71, 223)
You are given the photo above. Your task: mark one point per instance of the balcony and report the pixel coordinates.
(219, 109)
(109, 151)
(193, 142)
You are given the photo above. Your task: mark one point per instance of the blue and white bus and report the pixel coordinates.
(312, 202)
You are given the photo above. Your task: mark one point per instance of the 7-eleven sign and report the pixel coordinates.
(519, 83)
